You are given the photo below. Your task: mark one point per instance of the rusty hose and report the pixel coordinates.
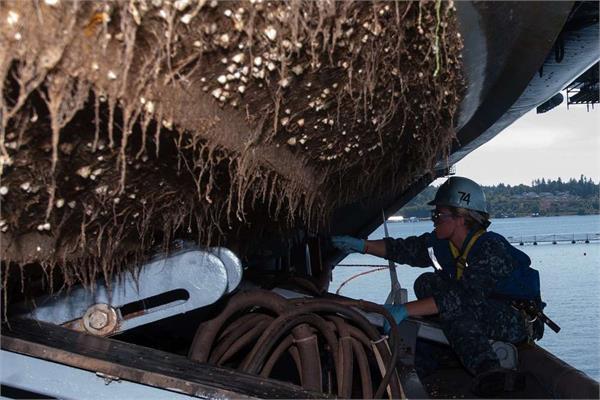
(346, 357)
(207, 331)
(244, 340)
(202, 344)
(334, 306)
(272, 326)
(281, 326)
(364, 370)
(282, 347)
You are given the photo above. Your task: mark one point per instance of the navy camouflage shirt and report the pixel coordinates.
(490, 260)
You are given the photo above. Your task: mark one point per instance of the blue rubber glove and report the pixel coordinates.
(349, 244)
(399, 313)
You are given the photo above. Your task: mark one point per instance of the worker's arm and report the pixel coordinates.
(415, 308)
(411, 251)
(421, 307)
(375, 247)
(352, 244)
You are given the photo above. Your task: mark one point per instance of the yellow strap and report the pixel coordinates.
(462, 260)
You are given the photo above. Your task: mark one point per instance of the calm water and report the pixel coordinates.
(570, 277)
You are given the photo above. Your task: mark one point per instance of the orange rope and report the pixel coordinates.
(356, 276)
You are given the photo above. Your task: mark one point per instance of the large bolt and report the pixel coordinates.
(98, 319)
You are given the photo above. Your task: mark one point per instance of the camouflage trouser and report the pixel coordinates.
(469, 332)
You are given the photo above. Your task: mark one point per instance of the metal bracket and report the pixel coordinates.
(167, 285)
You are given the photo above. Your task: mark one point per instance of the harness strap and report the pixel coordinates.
(461, 259)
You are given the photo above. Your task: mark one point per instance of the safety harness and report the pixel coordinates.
(521, 288)
(461, 257)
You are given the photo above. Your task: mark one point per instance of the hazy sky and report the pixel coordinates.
(560, 143)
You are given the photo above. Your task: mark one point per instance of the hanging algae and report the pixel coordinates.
(124, 124)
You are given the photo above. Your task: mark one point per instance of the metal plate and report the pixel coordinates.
(233, 265)
(201, 275)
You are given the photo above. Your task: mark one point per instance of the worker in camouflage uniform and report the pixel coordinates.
(469, 262)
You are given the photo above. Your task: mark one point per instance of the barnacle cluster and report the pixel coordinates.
(126, 122)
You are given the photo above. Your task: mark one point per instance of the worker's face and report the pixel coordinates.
(444, 222)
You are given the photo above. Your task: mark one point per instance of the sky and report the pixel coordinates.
(561, 143)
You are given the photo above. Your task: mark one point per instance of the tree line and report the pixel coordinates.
(544, 197)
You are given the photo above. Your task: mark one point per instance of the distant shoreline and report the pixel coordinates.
(395, 220)
(542, 198)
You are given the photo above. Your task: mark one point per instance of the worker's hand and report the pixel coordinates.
(349, 244)
(398, 311)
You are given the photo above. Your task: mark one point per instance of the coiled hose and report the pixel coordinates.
(327, 340)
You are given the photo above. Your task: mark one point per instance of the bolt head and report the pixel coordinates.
(98, 319)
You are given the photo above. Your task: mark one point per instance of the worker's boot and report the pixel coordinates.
(496, 381)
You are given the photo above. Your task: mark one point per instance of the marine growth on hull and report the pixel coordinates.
(125, 124)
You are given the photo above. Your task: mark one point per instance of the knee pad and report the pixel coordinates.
(425, 284)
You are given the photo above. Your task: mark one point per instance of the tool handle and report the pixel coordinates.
(530, 308)
(551, 324)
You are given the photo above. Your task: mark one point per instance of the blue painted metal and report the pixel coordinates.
(205, 276)
(40, 377)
